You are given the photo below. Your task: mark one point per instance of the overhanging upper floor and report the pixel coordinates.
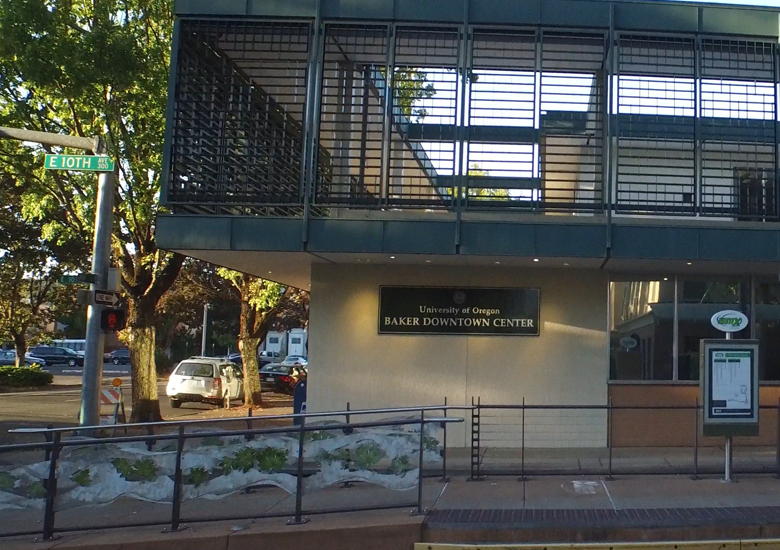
(565, 129)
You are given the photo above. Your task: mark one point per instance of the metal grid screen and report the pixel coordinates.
(424, 109)
(655, 118)
(471, 118)
(237, 131)
(738, 129)
(351, 132)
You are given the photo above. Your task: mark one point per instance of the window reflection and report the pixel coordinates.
(699, 301)
(768, 330)
(642, 332)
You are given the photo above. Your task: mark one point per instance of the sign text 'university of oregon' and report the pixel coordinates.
(449, 310)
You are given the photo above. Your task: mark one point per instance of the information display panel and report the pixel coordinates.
(729, 386)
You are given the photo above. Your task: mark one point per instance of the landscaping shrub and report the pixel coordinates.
(24, 377)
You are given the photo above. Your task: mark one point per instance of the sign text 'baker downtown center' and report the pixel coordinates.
(449, 310)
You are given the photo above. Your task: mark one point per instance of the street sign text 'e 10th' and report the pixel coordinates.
(87, 163)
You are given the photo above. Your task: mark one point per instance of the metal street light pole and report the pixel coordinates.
(92, 374)
(203, 338)
(101, 260)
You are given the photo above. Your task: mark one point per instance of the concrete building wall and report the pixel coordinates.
(567, 364)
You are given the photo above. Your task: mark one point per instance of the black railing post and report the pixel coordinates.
(346, 416)
(777, 451)
(610, 422)
(444, 444)
(299, 519)
(419, 510)
(47, 436)
(50, 485)
(696, 441)
(177, 482)
(249, 436)
(150, 430)
(522, 442)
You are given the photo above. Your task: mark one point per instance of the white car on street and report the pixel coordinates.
(205, 380)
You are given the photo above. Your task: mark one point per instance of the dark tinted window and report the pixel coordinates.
(195, 369)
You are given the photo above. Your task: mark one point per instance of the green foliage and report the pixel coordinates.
(400, 465)
(140, 470)
(367, 454)
(411, 85)
(339, 455)
(81, 478)
(268, 460)
(198, 476)
(24, 377)
(35, 490)
(7, 481)
(430, 443)
(271, 459)
(87, 68)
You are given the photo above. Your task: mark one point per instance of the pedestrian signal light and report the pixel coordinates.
(112, 320)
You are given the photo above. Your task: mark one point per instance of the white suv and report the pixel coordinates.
(205, 380)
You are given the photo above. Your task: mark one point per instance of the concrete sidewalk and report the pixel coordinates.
(544, 509)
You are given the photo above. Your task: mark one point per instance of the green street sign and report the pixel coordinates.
(89, 163)
(75, 279)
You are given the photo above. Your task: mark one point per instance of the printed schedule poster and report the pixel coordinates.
(731, 384)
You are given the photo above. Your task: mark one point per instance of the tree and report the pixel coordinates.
(29, 270)
(93, 68)
(264, 305)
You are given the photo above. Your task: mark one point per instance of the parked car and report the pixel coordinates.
(205, 380)
(262, 360)
(296, 360)
(58, 356)
(281, 378)
(269, 356)
(120, 356)
(8, 357)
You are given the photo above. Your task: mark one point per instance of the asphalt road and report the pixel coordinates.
(59, 405)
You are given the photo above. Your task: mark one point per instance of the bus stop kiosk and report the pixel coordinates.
(729, 385)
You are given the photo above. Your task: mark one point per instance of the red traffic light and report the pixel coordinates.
(112, 320)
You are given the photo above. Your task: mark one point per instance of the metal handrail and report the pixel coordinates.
(176, 423)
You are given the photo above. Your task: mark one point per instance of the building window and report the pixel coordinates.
(642, 332)
(755, 189)
(767, 330)
(645, 319)
(699, 300)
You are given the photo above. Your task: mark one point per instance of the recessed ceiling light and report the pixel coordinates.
(392, 257)
(427, 261)
(497, 263)
(536, 259)
(564, 263)
(666, 278)
(689, 263)
(270, 272)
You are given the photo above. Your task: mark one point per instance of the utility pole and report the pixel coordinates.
(203, 337)
(101, 261)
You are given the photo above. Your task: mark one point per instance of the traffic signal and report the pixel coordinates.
(112, 319)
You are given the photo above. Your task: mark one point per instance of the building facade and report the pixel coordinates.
(616, 159)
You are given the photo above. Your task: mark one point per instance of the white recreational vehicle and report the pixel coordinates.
(297, 342)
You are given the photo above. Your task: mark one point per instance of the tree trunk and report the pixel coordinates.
(252, 392)
(20, 345)
(140, 341)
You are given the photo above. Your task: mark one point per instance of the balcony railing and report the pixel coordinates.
(275, 119)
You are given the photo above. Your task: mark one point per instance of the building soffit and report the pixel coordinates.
(644, 15)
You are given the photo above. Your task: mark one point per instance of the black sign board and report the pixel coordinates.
(454, 310)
